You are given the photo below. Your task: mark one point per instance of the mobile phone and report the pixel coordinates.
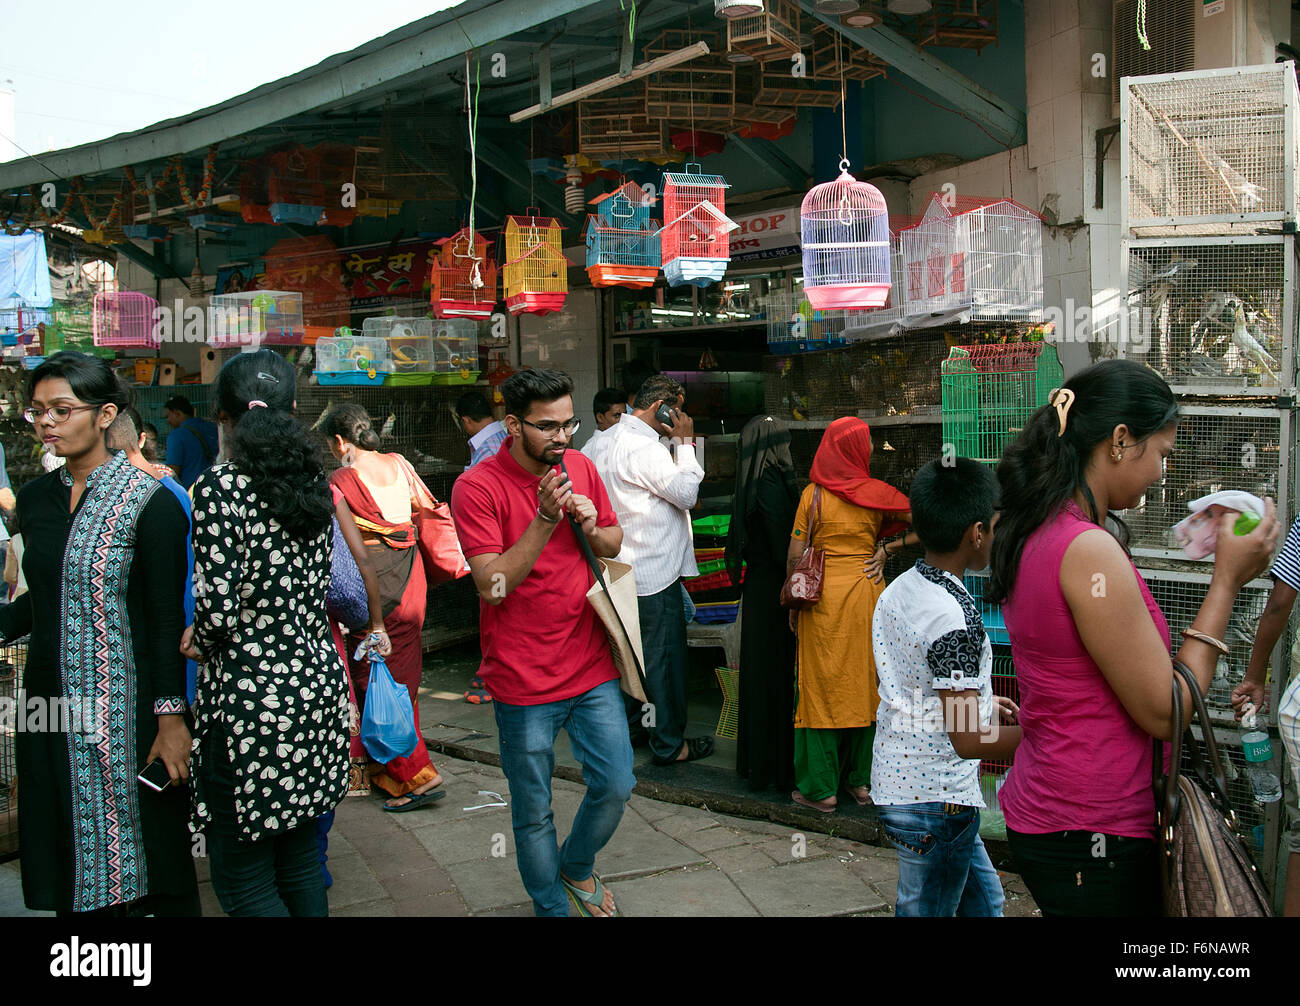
(666, 415)
(155, 776)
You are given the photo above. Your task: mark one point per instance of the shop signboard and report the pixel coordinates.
(769, 234)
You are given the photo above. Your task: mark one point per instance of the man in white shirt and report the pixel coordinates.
(608, 407)
(652, 494)
(486, 435)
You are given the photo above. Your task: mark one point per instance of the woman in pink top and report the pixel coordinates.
(1090, 646)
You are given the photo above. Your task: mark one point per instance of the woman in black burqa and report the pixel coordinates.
(762, 517)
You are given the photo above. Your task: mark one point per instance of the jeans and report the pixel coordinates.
(274, 876)
(1090, 874)
(663, 639)
(597, 727)
(943, 867)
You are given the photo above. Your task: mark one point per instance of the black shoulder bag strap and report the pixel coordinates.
(203, 446)
(600, 579)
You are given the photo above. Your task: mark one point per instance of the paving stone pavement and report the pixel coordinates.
(664, 860)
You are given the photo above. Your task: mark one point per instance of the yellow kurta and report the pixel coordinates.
(837, 671)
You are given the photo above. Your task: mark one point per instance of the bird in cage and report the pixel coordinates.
(1248, 346)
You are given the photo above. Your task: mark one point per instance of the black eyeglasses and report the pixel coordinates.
(550, 429)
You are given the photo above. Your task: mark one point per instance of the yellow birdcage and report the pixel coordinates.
(536, 271)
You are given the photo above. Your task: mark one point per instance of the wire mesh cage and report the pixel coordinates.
(795, 326)
(902, 446)
(536, 273)
(1218, 447)
(13, 659)
(1213, 315)
(455, 346)
(256, 317)
(463, 281)
(623, 247)
(700, 90)
(695, 239)
(844, 231)
(990, 391)
(864, 378)
(124, 320)
(974, 257)
(1209, 151)
(408, 342)
(294, 187)
(150, 401)
(729, 717)
(619, 124)
(767, 33)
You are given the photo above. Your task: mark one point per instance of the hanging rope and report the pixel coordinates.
(471, 113)
(631, 22)
(1142, 25)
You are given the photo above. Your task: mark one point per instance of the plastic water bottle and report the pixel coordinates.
(1258, 749)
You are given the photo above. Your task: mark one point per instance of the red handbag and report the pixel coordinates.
(803, 587)
(435, 532)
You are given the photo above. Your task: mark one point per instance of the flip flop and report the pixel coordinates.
(414, 800)
(696, 748)
(821, 805)
(862, 794)
(478, 693)
(581, 899)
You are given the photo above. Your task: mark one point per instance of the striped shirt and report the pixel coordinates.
(1286, 567)
(652, 496)
(486, 442)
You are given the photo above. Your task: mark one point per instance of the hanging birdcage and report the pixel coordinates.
(536, 271)
(778, 87)
(294, 187)
(623, 239)
(125, 320)
(618, 124)
(694, 241)
(767, 33)
(464, 279)
(835, 56)
(981, 258)
(727, 9)
(844, 226)
(701, 91)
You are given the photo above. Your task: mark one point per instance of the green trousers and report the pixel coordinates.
(821, 756)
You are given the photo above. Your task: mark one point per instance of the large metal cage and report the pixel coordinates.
(1209, 151)
(1218, 447)
(1214, 315)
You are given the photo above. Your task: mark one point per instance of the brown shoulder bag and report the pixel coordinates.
(803, 587)
(1205, 867)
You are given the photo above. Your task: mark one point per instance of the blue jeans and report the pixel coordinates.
(943, 867)
(597, 727)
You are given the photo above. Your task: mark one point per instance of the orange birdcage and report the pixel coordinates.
(464, 278)
(536, 271)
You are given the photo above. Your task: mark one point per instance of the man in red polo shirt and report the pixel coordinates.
(546, 659)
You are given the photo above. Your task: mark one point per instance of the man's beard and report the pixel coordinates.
(548, 455)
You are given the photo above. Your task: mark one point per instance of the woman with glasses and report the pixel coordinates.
(104, 672)
(383, 492)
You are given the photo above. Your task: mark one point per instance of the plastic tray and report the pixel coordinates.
(468, 377)
(356, 377)
(716, 614)
(712, 525)
(409, 380)
(713, 581)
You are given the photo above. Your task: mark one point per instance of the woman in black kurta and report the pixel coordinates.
(105, 620)
(762, 516)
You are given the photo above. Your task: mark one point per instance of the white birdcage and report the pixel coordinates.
(1212, 315)
(410, 341)
(455, 346)
(1209, 151)
(861, 324)
(254, 317)
(844, 228)
(972, 258)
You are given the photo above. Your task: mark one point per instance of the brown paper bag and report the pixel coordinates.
(618, 612)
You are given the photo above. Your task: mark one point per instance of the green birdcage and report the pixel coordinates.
(70, 327)
(989, 391)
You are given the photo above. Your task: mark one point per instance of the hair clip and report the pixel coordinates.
(257, 403)
(1061, 399)
(264, 376)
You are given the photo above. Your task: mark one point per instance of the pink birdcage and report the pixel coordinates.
(694, 242)
(844, 227)
(125, 320)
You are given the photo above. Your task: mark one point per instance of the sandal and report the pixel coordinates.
(862, 794)
(414, 800)
(826, 806)
(581, 899)
(696, 748)
(478, 693)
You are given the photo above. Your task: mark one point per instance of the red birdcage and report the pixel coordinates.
(464, 279)
(695, 242)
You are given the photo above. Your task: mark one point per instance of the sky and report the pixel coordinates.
(108, 67)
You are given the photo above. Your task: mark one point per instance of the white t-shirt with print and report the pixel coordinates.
(928, 638)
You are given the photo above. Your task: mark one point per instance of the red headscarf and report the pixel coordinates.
(843, 466)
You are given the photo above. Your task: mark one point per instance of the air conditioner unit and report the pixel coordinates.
(1191, 35)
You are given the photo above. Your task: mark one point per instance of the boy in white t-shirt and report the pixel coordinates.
(936, 717)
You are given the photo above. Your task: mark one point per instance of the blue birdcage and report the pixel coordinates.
(623, 239)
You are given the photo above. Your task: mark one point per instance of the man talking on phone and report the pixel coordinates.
(653, 491)
(546, 658)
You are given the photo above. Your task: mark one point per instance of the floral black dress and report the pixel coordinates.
(274, 690)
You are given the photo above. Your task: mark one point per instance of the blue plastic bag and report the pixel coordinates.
(388, 722)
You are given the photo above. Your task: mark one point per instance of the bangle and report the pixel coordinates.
(549, 520)
(1209, 640)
